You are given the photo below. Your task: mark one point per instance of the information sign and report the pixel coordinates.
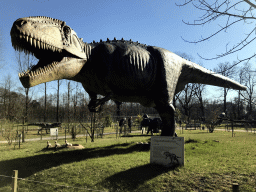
(54, 131)
(167, 151)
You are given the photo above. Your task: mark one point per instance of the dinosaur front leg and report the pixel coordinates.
(95, 105)
(166, 113)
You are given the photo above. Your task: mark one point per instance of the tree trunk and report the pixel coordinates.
(45, 100)
(202, 108)
(68, 105)
(26, 106)
(238, 107)
(225, 101)
(118, 110)
(58, 99)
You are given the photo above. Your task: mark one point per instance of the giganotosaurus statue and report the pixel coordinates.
(120, 70)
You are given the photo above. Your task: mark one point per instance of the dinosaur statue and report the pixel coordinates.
(120, 70)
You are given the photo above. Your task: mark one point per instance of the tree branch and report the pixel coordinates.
(250, 3)
(217, 10)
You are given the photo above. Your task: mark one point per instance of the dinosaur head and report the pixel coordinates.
(60, 52)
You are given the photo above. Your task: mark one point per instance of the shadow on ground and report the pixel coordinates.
(131, 179)
(199, 133)
(28, 166)
(146, 135)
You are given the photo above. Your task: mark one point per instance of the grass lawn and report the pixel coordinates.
(213, 161)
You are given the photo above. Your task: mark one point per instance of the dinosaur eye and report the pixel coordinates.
(66, 29)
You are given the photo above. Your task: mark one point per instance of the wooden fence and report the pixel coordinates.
(14, 185)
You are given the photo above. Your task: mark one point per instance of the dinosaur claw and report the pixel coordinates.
(95, 106)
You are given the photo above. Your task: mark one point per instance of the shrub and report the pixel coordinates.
(139, 119)
(108, 121)
(9, 133)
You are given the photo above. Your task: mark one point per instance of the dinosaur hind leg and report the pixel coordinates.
(166, 113)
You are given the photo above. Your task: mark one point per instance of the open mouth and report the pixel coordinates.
(43, 66)
(48, 55)
(54, 44)
(53, 62)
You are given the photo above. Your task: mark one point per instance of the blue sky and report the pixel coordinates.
(157, 23)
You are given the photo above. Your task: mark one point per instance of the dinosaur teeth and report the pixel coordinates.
(31, 41)
(35, 43)
(38, 44)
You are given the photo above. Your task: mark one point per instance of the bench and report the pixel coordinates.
(193, 126)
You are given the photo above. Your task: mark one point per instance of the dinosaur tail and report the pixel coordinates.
(194, 73)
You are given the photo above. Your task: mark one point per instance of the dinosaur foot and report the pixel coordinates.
(95, 106)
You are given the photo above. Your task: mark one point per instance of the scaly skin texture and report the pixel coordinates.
(120, 70)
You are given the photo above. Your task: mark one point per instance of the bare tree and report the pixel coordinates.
(249, 79)
(186, 100)
(8, 85)
(25, 61)
(45, 102)
(11, 100)
(69, 94)
(226, 14)
(227, 70)
(199, 90)
(186, 97)
(238, 100)
(58, 100)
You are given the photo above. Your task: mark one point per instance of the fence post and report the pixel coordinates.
(19, 140)
(235, 187)
(14, 181)
(23, 134)
(116, 127)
